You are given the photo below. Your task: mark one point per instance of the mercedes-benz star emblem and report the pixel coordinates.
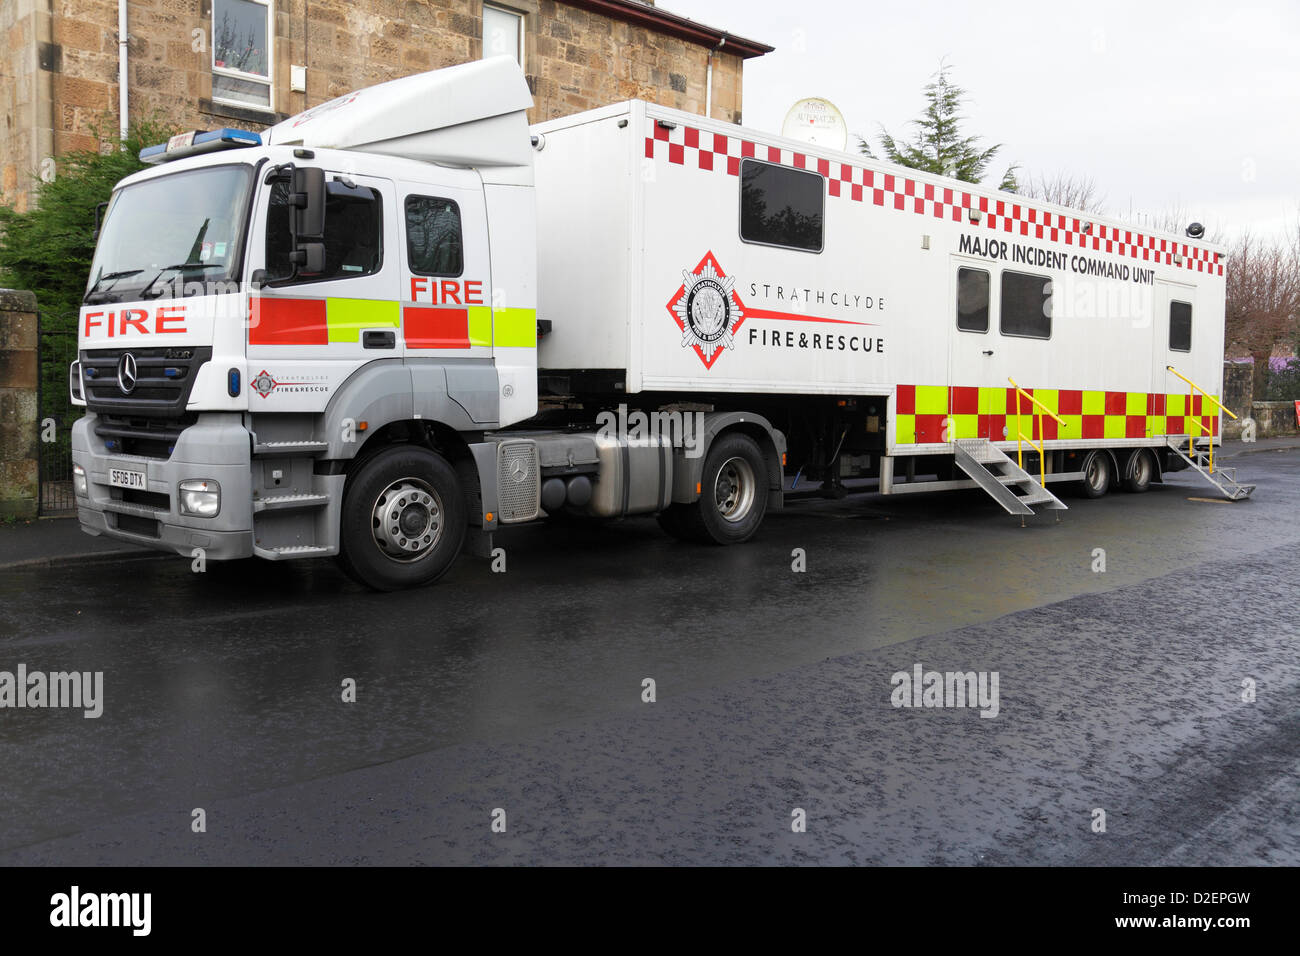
(126, 373)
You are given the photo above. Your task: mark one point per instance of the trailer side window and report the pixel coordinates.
(433, 237)
(353, 232)
(1026, 305)
(972, 300)
(1180, 326)
(780, 206)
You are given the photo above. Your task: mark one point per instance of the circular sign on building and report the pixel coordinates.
(817, 121)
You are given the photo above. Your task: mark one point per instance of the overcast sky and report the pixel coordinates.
(1164, 104)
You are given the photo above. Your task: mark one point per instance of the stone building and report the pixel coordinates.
(202, 64)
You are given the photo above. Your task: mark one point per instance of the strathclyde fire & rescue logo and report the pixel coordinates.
(707, 310)
(264, 383)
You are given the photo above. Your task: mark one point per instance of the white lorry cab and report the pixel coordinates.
(391, 325)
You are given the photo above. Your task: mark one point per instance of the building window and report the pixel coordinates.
(353, 232)
(241, 52)
(972, 300)
(1026, 305)
(1180, 326)
(433, 239)
(503, 33)
(780, 206)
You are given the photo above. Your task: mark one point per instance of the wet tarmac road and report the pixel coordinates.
(1119, 690)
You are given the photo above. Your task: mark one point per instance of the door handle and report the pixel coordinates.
(988, 351)
(379, 339)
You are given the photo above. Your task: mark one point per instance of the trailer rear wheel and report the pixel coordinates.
(733, 493)
(403, 521)
(1140, 471)
(1096, 475)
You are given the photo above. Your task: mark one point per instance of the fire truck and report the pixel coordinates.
(402, 321)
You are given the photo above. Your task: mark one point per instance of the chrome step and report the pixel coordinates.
(277, 448)
(285, 502)
(291, 551)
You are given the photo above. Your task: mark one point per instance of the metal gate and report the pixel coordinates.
(57, 341)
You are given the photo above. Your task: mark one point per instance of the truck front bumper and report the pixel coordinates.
(215, 448)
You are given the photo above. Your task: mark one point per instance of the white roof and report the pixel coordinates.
(467, 115)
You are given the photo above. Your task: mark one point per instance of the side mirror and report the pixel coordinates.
(308, 258)
(308, 203)
(99, 217)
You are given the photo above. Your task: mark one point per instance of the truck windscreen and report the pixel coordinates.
(173, 236)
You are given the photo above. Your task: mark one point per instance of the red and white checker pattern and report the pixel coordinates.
(701, 149)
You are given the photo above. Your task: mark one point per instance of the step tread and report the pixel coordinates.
(280, 501)
(278, 447)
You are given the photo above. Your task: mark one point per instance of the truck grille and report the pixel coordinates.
(519, 485)
(150, 437)
(164, 377)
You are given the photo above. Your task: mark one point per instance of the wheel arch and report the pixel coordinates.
(687, 470)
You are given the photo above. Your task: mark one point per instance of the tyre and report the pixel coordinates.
(1096, 475)
(1140, 471)
(404, 519)
(733, 493)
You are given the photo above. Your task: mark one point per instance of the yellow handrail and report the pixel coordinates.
(1194, 420)
(1036, 418)
(1201, 390)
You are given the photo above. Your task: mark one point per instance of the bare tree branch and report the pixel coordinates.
(1263, 299)
(1076, 192)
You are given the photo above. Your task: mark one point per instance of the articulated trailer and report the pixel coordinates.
(401, 321)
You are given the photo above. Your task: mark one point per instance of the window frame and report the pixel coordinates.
(268, 81)
(988, 307)
(1002, 304)
(339, 276)
(460, 226)
(1190, 314)
(519, 15)
(740, 201)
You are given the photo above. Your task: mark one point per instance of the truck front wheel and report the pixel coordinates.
(733, 494)
(403, 519)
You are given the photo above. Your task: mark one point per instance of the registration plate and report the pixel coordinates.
(121, 478)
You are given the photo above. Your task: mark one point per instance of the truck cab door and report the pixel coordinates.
(446, 293)
(308, 333)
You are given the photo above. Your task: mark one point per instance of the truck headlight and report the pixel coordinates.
(200, 497)
(79, 485)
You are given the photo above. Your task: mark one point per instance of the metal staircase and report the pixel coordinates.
(1006, 482)
(1225, 479)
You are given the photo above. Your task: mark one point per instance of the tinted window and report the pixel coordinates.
(1026, 305)
(972, 300)
(433, 237)
(780, 206)
(1180, 326)
(353, 232)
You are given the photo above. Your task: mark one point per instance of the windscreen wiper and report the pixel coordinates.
(181, 267)
(110, 277)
